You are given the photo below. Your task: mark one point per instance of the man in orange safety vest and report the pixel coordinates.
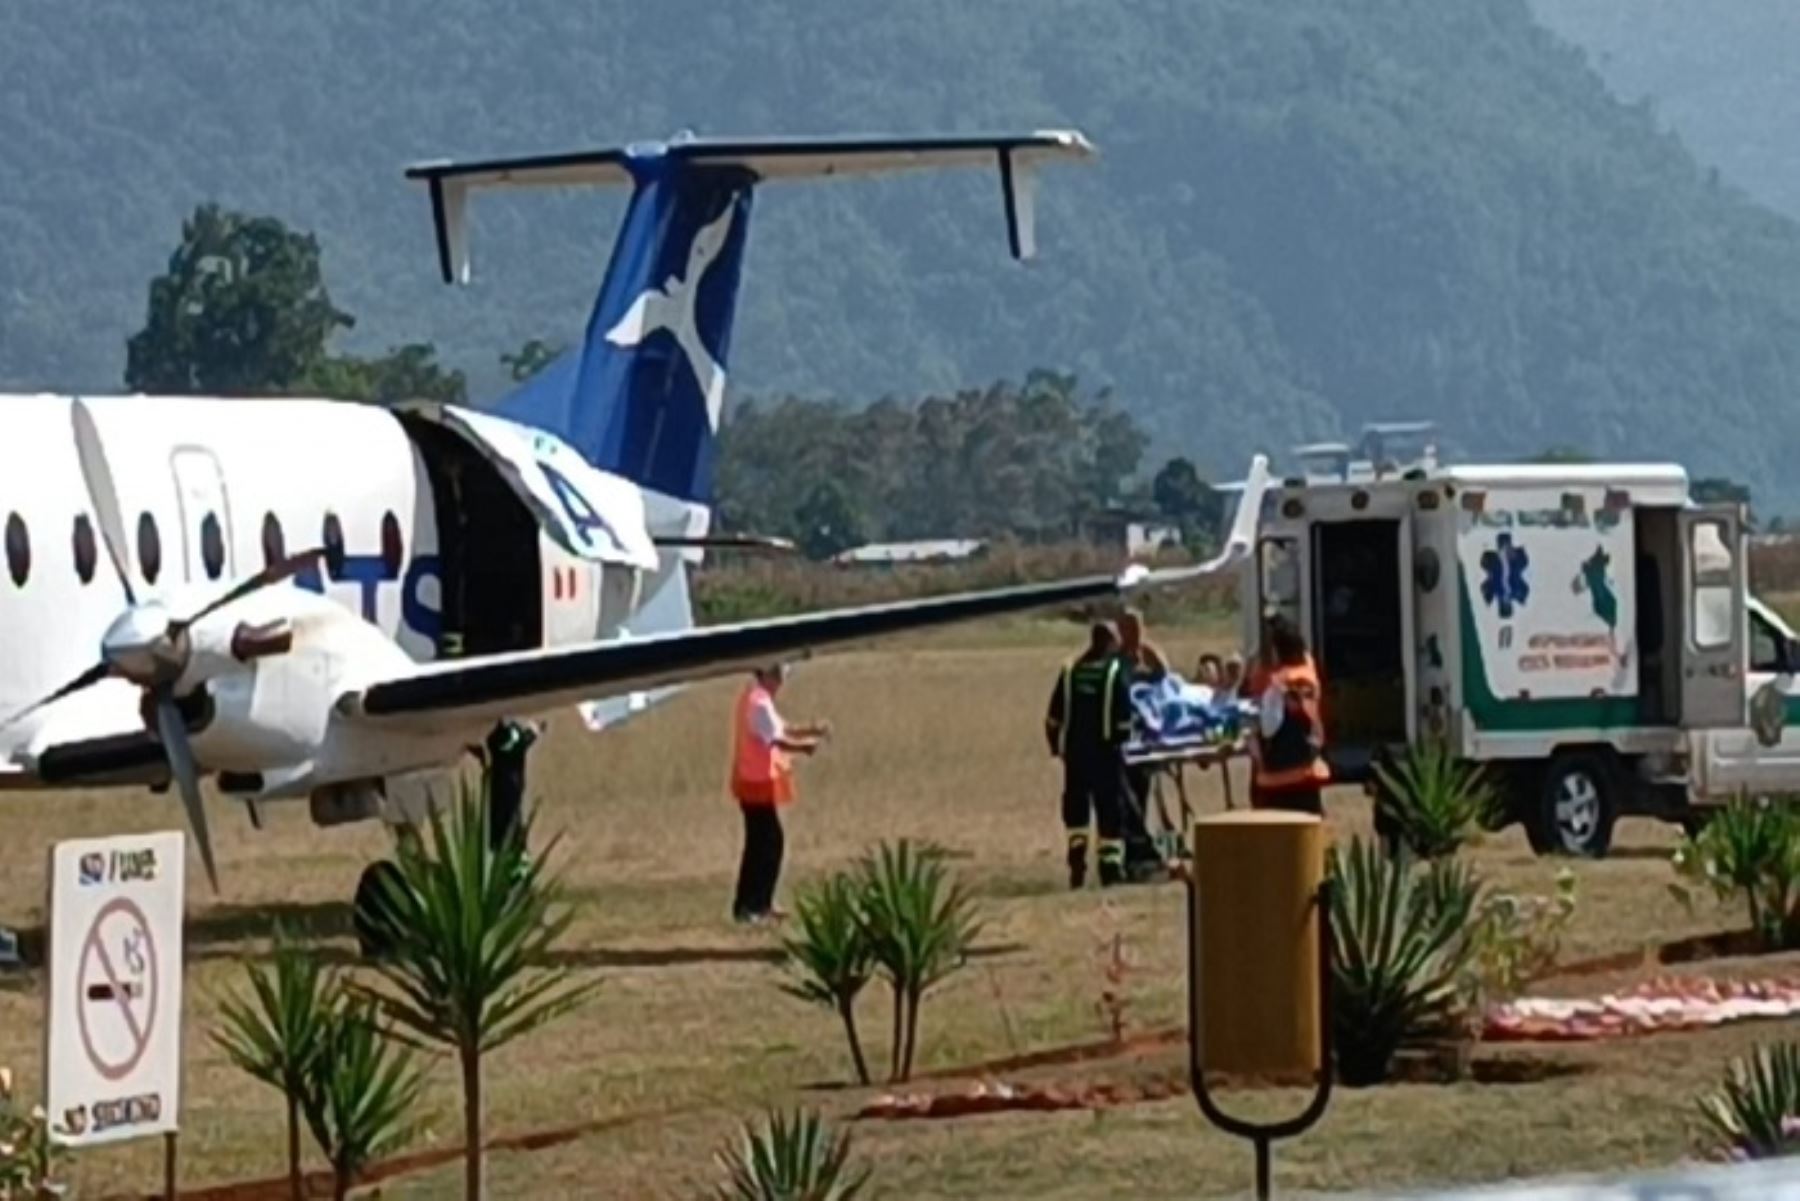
(762, 782)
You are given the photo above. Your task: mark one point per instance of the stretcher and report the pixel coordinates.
(1168, 765)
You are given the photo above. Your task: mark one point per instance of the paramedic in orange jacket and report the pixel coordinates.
(762, 782)
(1287, 751)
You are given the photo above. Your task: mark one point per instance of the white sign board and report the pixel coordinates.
(113, 1035)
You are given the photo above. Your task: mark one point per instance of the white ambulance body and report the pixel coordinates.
(1584, 630)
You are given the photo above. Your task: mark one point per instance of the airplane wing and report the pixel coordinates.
(495, 686)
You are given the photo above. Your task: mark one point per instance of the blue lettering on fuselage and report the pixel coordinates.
(579, 510)
(369, 572)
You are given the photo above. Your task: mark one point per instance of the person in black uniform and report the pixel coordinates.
(506, 747)
(1087, 726)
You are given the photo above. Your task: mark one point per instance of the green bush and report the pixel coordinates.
(1749, 850)
(1433, 803)
(363, 1092)
(1400, 957)
(919, 925)
(27, 1152)
(1755, 1113)
(790, 1158)
(829, 955)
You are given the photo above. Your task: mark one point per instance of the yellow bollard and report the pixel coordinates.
(1259, 933)
(1257, 877)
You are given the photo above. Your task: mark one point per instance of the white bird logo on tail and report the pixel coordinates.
(672, 307)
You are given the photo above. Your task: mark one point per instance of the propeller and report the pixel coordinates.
(146, 644)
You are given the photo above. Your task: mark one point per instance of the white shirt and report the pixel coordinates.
(765, 723)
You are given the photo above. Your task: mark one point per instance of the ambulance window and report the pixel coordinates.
(149, 548)
(87, 551)
(334, 545)
(393, 547)
(274, 542)
(1765, 646)
(1711, 562)
(18, 549)
(212, 546)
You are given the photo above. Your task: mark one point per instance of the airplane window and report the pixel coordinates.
(18, 549)
(212, 546)
(334, 544)
(87, 551)
(274, 544)
(393, 548)
(149, 548)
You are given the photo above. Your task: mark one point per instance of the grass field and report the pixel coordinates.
(689, 1034)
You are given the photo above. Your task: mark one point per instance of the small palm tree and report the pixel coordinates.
(1755, 1113)
(467, 920)
(277, 1035)
(919, 926)
(364, 1088)
(829, 955)
(1431, 802)
(790, 1158)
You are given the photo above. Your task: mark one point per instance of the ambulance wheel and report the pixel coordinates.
(1577, 806)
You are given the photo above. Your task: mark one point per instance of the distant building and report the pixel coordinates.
(1129, 530)
(891, 554)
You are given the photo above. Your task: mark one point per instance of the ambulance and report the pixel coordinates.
(1584, 631)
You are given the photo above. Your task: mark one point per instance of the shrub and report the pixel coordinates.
(1751, 849)
(362, 1092)
(919, 926)
(829, 955)
(26, 1149)
(1431, 802)
(277, 1036)
(1399, 957)
(1755, 1113)
(1516, 939)
(790, 1158)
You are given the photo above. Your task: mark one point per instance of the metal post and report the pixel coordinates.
(169, 1166)
(1262, 1135)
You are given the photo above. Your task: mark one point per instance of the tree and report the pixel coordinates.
(1182, 496)
(1718, 490)
(280, 1034)
(363, 1092)
(530, 359)
(826, 522)
(466, 920)
(241, 311)
(407, 372)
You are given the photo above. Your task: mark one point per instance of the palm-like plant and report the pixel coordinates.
(467, 920)
(829, 956)
(278, 1033)
(1432, 801)
(363, 1093)
(1397, 959)
(919, 926)
(1751, 849)
(1755, 1113)
(790, 1158)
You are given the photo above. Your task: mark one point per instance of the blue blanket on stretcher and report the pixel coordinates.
(1171, 713)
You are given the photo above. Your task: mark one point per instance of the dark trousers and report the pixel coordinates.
(1135, 820)
(1094, 788)
(1298, 800)
(506, 794)
(760, 867)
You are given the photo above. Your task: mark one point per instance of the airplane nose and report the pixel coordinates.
(132, 642)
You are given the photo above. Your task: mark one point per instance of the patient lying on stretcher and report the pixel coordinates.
(1171, 712)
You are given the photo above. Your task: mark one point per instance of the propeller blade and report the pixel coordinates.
(181, 765)
(274, 573)
(96, 472)
(91, 676)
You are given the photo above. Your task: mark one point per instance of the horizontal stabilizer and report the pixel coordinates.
(759, 160)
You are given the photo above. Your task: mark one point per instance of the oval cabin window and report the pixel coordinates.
(393, 546)
(274, 544)
(334, 545)
(149, 548)
(87, 551)
(18, 550)
(212, 546)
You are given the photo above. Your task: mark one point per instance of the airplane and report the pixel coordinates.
(309, 598)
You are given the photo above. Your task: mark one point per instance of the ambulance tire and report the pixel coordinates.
(1577, 805)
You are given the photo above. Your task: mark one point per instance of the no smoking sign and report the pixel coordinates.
(113, 1045)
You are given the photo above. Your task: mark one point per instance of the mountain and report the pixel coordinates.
(1725, 77)
(1306, 214)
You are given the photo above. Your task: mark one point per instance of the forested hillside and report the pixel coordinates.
(1305, 214)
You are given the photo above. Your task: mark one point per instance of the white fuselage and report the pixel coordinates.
(209, 490)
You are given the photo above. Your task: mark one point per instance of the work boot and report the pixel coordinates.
(1077, 861)
(1112, 863)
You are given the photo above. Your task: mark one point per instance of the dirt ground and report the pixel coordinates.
(690, 1034)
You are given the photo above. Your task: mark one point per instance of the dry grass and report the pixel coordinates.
(938, 740)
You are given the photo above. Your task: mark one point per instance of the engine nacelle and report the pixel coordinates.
(349, 801)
